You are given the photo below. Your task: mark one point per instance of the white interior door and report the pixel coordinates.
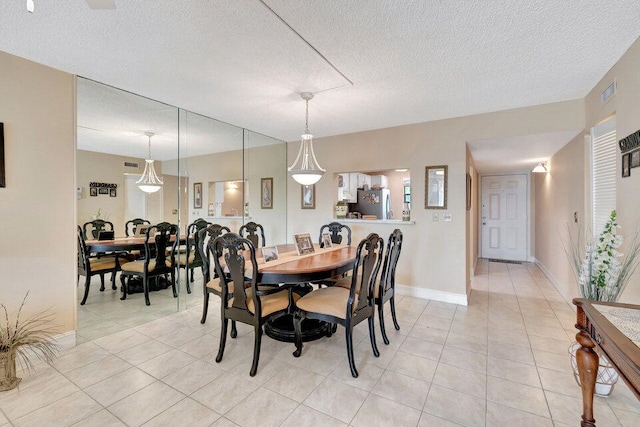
(504, 217)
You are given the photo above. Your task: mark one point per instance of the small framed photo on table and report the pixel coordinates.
(326, 240)
(304, 245)
(270, 253)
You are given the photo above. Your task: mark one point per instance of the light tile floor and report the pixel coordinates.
(501, 361)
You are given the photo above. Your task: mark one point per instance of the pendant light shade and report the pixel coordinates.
(149, 181)
(305, 169)
(540, 168)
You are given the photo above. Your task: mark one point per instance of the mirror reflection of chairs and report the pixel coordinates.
(155, 265)
(253, 232)
(191, 258)
(252, 304)
(346, 307)
(91, 229)
(385, 288)
(89, 266)
(131, 226)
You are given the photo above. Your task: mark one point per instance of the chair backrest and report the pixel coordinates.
(83, 255)
(391, 256)
(157, 240)
(335, 228)
(94, 227)
(205, 245)
(250, 231)
(131, 226)
(237, 252)
(193, 240)
(365, 272)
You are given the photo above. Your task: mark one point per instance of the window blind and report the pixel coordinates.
(603, 172)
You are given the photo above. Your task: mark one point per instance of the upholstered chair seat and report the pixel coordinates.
(331, 301)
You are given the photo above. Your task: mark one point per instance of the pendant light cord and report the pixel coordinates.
(306, 125)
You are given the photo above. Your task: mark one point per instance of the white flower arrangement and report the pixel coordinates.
(602, 271)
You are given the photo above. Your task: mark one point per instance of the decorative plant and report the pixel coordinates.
(21, 339)
(602, 271)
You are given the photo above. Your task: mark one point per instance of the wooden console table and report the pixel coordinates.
(602, 324)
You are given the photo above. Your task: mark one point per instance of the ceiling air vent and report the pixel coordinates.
(609, 92)
(130, 165)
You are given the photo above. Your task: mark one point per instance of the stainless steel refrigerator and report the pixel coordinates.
(375, 202)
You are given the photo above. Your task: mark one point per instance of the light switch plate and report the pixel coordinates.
(446, 217)
(436, 217)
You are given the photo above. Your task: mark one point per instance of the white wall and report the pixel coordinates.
(37, 207)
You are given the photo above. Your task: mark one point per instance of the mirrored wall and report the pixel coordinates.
(210, 170)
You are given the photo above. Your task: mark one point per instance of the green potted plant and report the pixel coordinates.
(20, 339)
(602, 273)
(341, 209)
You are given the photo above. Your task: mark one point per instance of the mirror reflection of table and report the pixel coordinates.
(615, 329)
(321, 265)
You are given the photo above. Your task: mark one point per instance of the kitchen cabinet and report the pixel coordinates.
(379, 181)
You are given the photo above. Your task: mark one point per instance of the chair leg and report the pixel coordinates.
(372, 336)
(124, 287)
(380, 307)
(223, 339)
(392, 304)
(101, 282)
(113, 281)
(256, 350)
(234, 331)
(87, 282)
(188, 278)
(205, 307)
(173, 283)
(352, 363)
(145, 286)
(297, 325)
(191, 276)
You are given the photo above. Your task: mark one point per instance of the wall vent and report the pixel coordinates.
(130, 165)
(609, 92)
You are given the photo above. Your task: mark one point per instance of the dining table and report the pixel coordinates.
(302, 270)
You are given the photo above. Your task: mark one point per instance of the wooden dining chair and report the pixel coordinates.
(131, 226)
(385, 288)
(191, 258)
(155, 264)
(251, 304)
(207, 237)
(346, 307)
(89, 266)
(91, 229)
(253, 232)
(336, 231)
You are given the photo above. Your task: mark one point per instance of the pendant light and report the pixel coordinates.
(542, 167)
(149, 181)
(305, 169)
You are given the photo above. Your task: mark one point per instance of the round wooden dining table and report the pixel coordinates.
(121, 244)
(301, 271)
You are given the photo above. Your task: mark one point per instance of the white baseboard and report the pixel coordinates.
(554, 281)
(66, 340)
(432, 294)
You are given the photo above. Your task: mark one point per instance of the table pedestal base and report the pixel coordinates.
(281, 329)
(134, 285)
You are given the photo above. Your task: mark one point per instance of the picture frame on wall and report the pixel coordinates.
(103, 190)
(197, 195)
(469, 189)
(93, 192)
(308, 196)
(635, 159)
(626, 165)
(266, 193)
(3, 182)
(113, 192)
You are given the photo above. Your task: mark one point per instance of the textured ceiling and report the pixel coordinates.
(409, 61)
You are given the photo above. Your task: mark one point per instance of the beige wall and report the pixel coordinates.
(37, 207)
(472, 222)
(434, 264)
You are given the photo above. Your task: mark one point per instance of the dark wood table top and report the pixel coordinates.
(120, 244)
(321, 265)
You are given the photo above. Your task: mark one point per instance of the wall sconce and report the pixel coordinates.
(542, 167)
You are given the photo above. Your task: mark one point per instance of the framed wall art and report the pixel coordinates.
(197, 195)
(308, 196)
(266, 193)
(3, 182)
(626, 165)
(435, 189)
(635, 159)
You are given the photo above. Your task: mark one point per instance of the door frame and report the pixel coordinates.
(530, 213)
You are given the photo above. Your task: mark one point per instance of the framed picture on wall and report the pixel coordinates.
(635, 159)
(197, 195)
(2, 176)
(103, 190)
(626, 165)
(469, 192)
(266, 193)
(93, 192)
(112, 192)
(308, 196)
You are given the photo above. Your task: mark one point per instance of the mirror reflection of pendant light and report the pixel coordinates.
(542, 167)
(149, 181)
(305, 169)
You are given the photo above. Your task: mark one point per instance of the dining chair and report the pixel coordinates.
(92, 265)
(94, 227)
(155, 264)
(191, 257)
(250, 231)
(251, 304)
(207, 237)
(385, 288)
(336, 230)
(346, 307)
(131, 226)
